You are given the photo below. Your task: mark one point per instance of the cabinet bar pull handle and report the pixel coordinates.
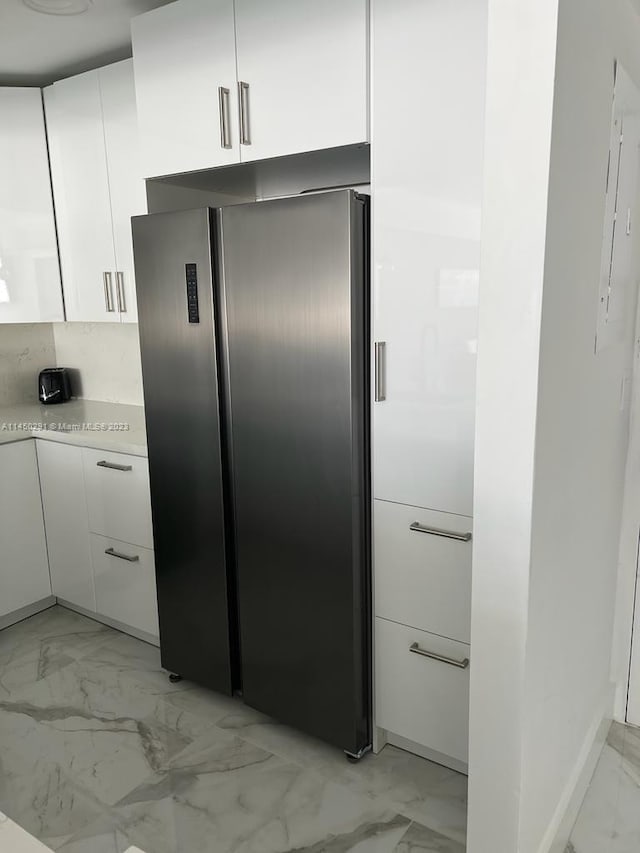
(380, 350)
(108, 294)
(223, 104)
(120, 556)
(243, 98)
(104, 464)
(460, 664)
(122, 303)
(436, 531)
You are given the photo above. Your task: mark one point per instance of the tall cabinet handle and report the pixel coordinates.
(223, 105)
(122, 302)
(243, 98)
(108, 292)
(460, 664)
(416, 527)
(380, 370)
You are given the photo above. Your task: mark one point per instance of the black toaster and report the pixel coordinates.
(54, 385)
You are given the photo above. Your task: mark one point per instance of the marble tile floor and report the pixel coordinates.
(100, 752)
(609, 819)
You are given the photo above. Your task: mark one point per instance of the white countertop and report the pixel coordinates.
(86, 423)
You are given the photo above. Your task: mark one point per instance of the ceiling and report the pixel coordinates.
(36, 48)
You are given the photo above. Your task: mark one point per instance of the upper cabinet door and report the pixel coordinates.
(30, 288)
(126, 185)
(81, 192)
(185, 73)
(303, 75)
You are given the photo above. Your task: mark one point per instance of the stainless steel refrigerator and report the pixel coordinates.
(254, 334)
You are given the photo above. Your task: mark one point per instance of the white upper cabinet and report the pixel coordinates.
(219, 82)
(302, 69)
(185, 73)
(428, 128)
(29, 274)
(97, 187)
(126, 185)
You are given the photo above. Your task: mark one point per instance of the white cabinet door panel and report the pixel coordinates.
(418, 698)
(422, 579)
(30, 289)
(182, 54)
(81, 192)
(306, 64)
(118, 496)
(24, 570)
(126, 185)
(66, 523)
(426, 238)
(125, 583)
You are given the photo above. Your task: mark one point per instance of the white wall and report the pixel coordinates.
(104, 358)
(24, 350)
(551, 436)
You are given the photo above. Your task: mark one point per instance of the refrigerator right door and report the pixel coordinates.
(295, 287)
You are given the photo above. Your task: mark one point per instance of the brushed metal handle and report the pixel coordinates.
(112, 553)
(223, 105)
(460, 664)
(243, 98)
(122, 302)
(437, 531)
(380, 349)
(114, 466)
(108, 293)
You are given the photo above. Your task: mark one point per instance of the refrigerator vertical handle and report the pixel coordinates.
(223, 104)
(380, 371)
(243, 98)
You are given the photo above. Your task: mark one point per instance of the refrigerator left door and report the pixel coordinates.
(177, 319)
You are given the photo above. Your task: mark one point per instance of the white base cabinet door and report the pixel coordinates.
(185, 77)
(66, 523)
(422, 698)
(118, 496)
(30, 289)
(24, 569)
(125, 583)
(303, 75)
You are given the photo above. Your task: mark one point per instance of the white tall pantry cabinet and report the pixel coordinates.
(428, 91)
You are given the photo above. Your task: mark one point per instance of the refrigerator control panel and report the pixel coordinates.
(193, 310)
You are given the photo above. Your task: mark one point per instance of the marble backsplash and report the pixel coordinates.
(25, 349)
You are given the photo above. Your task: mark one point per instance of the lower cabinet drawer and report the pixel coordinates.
(125, 583)
(421, 698)
(423, 578)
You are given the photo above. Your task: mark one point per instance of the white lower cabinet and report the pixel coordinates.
(423, 569)
(118, 496)
(65, 517)
(125, 583)
(422, 690)
(97, 511)
(24, 572)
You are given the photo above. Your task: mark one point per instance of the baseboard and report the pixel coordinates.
(25, 612)
(557, 836)
(112, 623)
(424, 752)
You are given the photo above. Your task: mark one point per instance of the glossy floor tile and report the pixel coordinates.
(99, 752)
(609, 820)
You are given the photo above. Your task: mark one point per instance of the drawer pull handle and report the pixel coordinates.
(436, 531)
(120, 556)
(114, 466)
(460, 664)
